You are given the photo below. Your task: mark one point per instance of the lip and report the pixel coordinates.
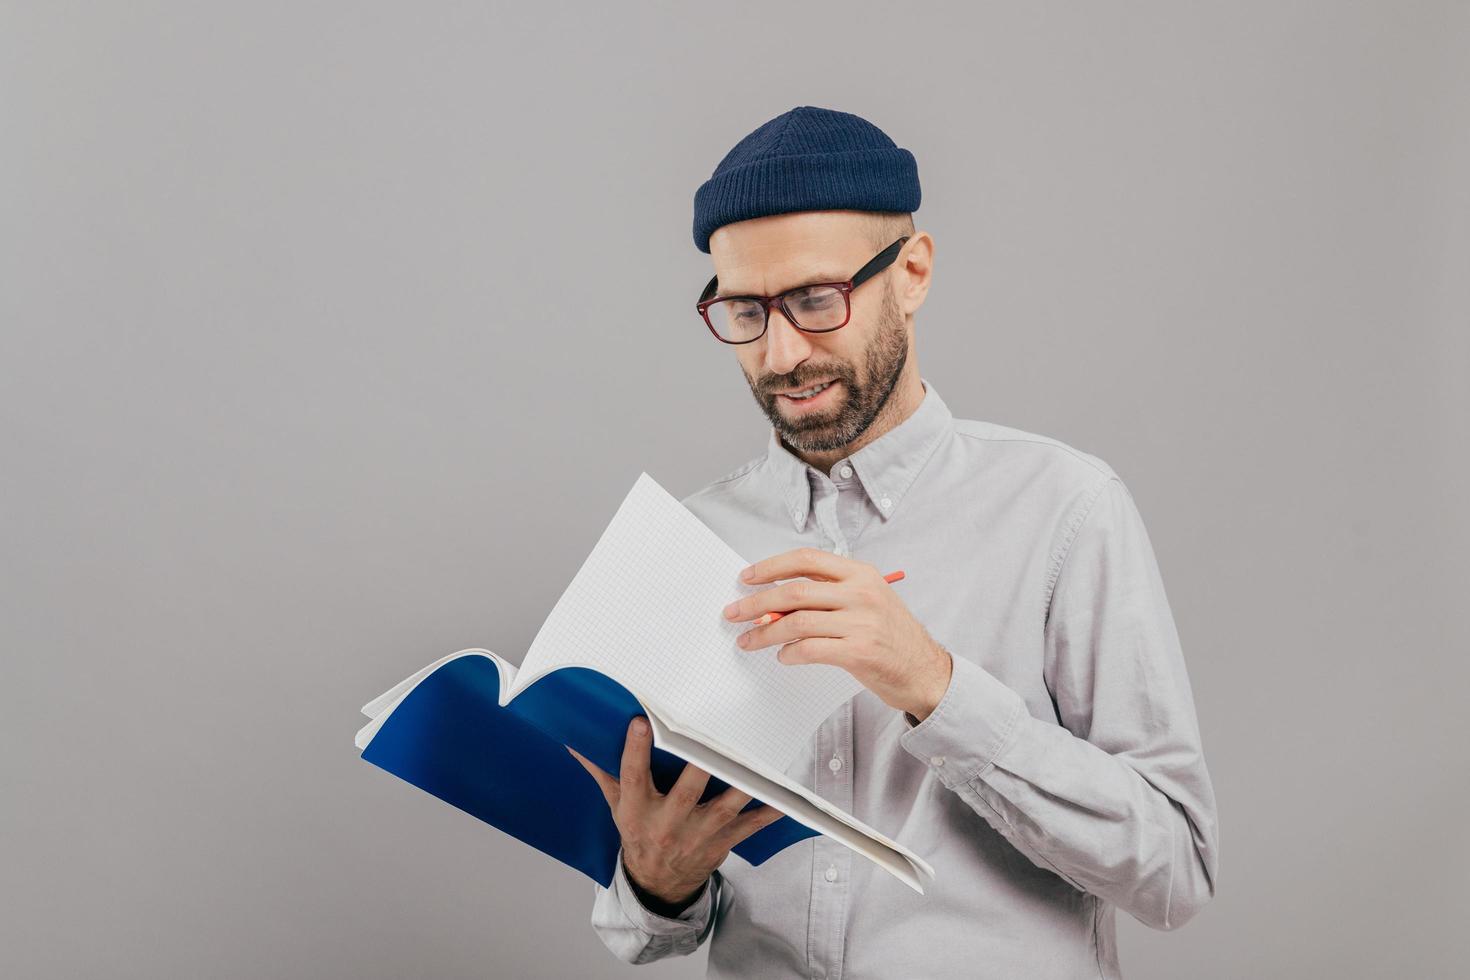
(803, 404)
(806, 386)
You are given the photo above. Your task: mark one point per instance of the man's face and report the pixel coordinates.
(862, 360)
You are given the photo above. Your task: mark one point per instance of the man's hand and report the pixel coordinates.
(846, 615)
(671, 843)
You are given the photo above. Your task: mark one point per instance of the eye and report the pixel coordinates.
(815, 298)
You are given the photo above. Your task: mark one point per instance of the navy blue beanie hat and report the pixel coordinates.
(808, 159)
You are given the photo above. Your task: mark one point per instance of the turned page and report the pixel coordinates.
(645, 609)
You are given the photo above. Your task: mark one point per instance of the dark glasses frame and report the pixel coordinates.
(873, 266)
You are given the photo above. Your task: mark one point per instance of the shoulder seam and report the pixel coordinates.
(1074, 527)
(740, 471)
(1038, 442)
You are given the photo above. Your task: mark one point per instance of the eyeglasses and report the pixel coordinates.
(817, 307)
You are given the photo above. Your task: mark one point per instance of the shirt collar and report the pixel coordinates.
(885, 467)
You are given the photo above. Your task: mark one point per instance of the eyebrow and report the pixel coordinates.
(808, 281)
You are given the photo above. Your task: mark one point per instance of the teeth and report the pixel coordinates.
(810, 391)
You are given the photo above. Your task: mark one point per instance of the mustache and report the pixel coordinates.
(773, 385)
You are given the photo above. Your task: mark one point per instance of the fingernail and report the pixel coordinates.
(640, 727)
(743, 639)
(745, 575)
(730, 610)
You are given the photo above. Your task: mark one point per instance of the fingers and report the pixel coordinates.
(800, 593)
(635, 781)
(684, 795)
(721, 823)
(811, 562)
(798, 625)
(748, 823)
(719, 811)
(605, 781)
(813, 650)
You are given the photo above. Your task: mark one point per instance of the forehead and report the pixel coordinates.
(772, 254)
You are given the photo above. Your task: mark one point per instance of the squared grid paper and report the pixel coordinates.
(645, 609)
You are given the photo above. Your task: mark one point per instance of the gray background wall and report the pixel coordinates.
(332, 334)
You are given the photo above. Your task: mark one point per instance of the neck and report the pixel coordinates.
(902, 402)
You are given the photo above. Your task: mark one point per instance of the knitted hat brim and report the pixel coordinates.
(858, 180)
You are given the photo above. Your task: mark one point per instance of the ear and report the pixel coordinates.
(917, 272)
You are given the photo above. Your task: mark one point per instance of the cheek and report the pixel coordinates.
(852, 349)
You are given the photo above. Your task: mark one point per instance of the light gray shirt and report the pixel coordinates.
(1060, 778)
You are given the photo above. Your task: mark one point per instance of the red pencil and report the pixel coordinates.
(771, 617)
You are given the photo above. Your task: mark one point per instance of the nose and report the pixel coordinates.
(786, 346)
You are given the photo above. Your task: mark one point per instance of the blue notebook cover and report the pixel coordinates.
(507, 766)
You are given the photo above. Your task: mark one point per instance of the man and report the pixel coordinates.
(1026, 723)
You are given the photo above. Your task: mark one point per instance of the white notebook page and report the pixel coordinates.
(645, 609)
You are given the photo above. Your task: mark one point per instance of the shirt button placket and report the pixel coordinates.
(839, 871)
(827, 923)
(824, 504)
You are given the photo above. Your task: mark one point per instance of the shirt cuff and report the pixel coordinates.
(688, 923)
(970, 726)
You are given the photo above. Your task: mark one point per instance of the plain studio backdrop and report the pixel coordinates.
(333, 334)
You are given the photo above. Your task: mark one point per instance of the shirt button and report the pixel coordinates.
(845, 472)
(885, 503)
(937, 760)
(834, 763)
(831, 873)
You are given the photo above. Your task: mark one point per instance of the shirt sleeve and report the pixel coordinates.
(636, 934)
(1116, 798)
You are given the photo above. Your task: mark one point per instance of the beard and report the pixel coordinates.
(861, 400)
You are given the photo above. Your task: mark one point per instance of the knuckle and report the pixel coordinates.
(737, 805)
(801, 591)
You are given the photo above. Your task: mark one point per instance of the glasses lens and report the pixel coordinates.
(737, 320)
(818, 307)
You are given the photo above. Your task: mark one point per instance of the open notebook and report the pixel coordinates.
(638, 631)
